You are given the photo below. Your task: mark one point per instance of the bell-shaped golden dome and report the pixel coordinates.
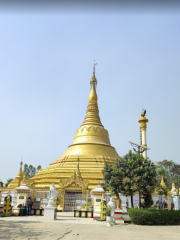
(91, 148)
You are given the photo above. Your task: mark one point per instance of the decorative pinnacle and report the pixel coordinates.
(143, 113)
(94, 68)
(24, 177)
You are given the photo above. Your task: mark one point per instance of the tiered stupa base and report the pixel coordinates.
(90, 168)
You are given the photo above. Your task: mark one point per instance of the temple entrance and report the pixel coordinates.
(70, 200)
(70, 190)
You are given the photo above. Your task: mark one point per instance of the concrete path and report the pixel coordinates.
(67, 227)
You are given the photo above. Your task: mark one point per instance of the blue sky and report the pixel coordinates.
(46, 63)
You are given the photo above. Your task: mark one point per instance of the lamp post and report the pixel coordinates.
(140, 150)
(140, 147)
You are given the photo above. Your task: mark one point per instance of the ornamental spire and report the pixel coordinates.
(92, 113)
(94, 68)
(93, 79)
(20, 175)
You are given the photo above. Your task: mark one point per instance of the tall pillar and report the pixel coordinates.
(98, 194)
(143, 127)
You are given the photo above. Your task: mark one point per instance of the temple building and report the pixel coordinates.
(80, 167)
(89, 151)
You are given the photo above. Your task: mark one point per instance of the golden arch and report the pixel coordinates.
(75, 182)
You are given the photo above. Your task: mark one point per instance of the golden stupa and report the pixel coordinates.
(88, 153)
(17, 180)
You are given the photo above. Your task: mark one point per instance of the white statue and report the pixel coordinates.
(111, 204)
(52, 196)
(176, 200)
(160, 202)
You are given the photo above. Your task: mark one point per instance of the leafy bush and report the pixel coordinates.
(154, 217)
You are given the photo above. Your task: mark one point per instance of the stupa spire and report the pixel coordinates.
(92, 113)
(20, 175)
(94, 68)
(17, 180)
(93, 80)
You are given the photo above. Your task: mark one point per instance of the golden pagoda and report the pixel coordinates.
(82, 163)
(17, 181)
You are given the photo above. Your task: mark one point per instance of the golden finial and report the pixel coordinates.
(143, 120)
(93, 80)
(19, 175)
(93, 83)
(143, 113)
(94, 68)
(162, 181)
(24, 177)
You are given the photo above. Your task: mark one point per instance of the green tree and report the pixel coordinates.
(171, 172)
(1, 184)
(117, 179)
(161, 171)
(38, 168)
(130, 174)
(8, 181)
(148, 201)
(146, 178)
(162, 190)
(31, 170)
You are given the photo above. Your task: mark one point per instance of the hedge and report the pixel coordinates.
(154, 217)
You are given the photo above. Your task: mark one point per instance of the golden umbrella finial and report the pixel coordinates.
(94, 67)
(93, 79)
(21, 163)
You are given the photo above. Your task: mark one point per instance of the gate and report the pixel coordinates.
(70, 200)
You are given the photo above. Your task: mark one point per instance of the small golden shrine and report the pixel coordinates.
(17, 181)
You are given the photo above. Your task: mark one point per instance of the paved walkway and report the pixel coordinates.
(67, 227)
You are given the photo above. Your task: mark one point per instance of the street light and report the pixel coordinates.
(140, 147)
(140, 150)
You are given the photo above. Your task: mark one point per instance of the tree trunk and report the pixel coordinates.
(139, 199)
(132, 205)
(118, 201)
